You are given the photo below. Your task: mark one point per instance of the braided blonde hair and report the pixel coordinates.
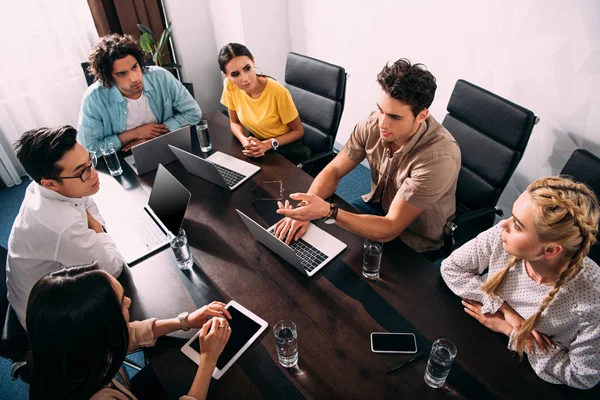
(566, 213)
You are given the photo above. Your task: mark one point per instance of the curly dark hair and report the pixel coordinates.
(410, 84)
(110, 48)
(39, 150)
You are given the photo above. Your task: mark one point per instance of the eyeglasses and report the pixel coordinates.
(86, 173)
(268, 190)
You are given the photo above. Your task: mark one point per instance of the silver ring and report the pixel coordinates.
(221, 326)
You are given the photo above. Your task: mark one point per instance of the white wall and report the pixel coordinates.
(194, 40)
(541, 54)
(202, 27)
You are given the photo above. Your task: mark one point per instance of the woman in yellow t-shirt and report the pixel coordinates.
(262, 105)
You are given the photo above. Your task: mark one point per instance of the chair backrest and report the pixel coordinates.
(492, 134)
(584, 167)
(89, 78)
(319, 92)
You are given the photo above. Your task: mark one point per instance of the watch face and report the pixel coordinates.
(330, 221)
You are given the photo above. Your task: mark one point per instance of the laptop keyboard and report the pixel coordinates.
(309, 256)
(231, 177)
(147, 230)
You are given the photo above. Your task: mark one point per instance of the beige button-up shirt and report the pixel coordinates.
(423, 173)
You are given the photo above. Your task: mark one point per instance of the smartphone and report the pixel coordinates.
(385, 342)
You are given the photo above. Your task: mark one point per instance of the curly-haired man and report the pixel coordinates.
(130, 102)
(414, 168)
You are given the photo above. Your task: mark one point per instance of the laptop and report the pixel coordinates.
(308, 254)
(146, 156)
(220, 168)
(150, 228)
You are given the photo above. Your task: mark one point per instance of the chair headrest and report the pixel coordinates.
(316, 76)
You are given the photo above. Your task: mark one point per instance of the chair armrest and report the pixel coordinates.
(316, 157)
(17, 369)
(453, 225)
(477, 213)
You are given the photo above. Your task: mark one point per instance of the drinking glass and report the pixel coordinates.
(203, 136)
(111, 159)
(182, 252)
(286, 339)
(440, 362)
(372, 259)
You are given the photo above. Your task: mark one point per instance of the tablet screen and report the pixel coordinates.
(242, 329)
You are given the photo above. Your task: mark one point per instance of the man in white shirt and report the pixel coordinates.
(59, 224)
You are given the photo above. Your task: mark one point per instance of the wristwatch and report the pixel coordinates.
(275, 144)
(333, 211)
(181, 317)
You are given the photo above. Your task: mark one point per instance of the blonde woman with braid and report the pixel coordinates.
(540, 290)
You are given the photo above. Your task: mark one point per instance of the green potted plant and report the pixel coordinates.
(156, 48)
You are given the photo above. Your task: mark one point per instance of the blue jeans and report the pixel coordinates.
(377, 209)
(367, 208)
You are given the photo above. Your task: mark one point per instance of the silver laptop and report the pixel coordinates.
(220, 168)
(308, 254)
(146, 156)
(151, 227)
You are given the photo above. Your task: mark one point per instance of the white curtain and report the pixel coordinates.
(42, 45)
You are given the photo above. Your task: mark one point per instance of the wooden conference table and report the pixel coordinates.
(335, 311)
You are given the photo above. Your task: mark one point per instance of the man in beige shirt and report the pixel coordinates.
(414, 165)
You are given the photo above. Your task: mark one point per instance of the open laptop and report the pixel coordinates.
(151, 227)
(220, 168)
(308, 254)
(146, 156)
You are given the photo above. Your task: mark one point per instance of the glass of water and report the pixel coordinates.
(111, 159)
(372, 259)
(203, 136)
(440, 361)
(182, 252)
(286, 339)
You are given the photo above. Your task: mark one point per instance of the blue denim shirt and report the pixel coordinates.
(103, 113)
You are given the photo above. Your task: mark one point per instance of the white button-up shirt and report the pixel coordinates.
(50, 233)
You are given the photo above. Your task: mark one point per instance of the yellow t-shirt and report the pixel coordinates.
(266, 117)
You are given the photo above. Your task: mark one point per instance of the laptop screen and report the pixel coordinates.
(168, 200)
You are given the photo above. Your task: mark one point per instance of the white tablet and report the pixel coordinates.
(246, 327)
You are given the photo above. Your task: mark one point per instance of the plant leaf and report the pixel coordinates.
(144, 29)
(146, 42)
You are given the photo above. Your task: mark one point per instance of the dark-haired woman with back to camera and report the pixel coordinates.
(262, 105)
(79, 333)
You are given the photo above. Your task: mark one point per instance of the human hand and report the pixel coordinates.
(495, 321)
(200, 317)
(256, 148)
(314, 207)
(150, 131)
(516, 321)
(133, 143)
(213, 338)
(93, 224)
(289, 228)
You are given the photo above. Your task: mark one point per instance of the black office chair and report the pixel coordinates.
(319, 92)
(14, 344)
(584, 167)
(492, 134)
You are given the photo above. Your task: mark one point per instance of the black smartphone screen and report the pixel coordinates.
(400, 342)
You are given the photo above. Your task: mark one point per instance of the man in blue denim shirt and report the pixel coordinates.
(129, 102)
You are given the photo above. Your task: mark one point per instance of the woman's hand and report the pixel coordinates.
(200, 317)
(256, 148)
(516, 321)
(213, 338)
(495, 321)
